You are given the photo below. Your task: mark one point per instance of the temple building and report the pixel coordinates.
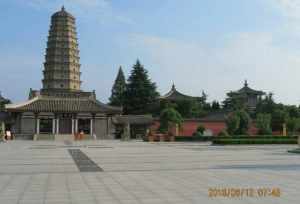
(246, 97)
(173, 95)
(61, 108)
(4, 117)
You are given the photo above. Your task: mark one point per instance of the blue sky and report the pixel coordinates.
(209, 45)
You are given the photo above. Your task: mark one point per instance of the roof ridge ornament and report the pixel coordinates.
(173, 87)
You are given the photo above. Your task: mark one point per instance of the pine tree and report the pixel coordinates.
(140, 95)
(118, 89)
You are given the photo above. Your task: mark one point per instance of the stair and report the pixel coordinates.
(64, 137)
(59, 137)
(38, 137)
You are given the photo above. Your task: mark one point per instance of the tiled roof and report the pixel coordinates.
(173, 94)
(247, 89)
(63, 12)
(66, 105)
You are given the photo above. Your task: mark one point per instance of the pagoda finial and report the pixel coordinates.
(63, 8)
(173, 87)
(246, 83)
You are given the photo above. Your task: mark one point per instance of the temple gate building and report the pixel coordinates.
(61, 107)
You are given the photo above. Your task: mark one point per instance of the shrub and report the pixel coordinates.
(238, 122)
(256, 140)
(199, 132)
(168, 117)
(232, 123)
(223, 133)
(293, 124)
(263, 123)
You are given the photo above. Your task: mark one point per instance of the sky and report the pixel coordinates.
(199, 45)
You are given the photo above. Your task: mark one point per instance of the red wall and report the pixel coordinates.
(190, 126)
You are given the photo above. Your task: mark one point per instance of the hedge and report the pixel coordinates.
(238, 139)
(193, 138)
(255, 140)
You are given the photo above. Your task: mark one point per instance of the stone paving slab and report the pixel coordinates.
(138, 172)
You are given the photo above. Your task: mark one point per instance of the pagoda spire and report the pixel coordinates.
(246, 83)
(62, 66)
(173, 87)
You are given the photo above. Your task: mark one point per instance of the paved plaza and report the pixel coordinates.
(137, 172)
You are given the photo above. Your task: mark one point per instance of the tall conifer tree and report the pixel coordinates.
(118, 89)
(141, 95)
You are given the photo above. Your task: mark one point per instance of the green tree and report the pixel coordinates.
(215, 106)
(279, 112)
(279, 117)
(266, 105)
(169, 117)
(141, 96)
(200, 131)
(118, 90)
(263, 123)
(238, 123)
(234, 102)
(245, 122)
(293, 125)
(232, 123)
(3, 102)
(293, 111)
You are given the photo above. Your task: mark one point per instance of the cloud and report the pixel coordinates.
(288, 8)
(99, 10)
(246, 55)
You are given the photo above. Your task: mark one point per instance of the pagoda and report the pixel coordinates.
(61, 108)
(247, 96)
(62, 68)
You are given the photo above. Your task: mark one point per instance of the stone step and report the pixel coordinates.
(64, 137)
(38, 137)
(59, 137)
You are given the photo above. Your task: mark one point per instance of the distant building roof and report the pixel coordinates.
(63, 104)
(174, 95)
(246, 89)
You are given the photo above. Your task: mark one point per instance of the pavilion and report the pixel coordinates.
(248, 96)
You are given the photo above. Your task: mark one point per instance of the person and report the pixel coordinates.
(8, 135)
(81, 134)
